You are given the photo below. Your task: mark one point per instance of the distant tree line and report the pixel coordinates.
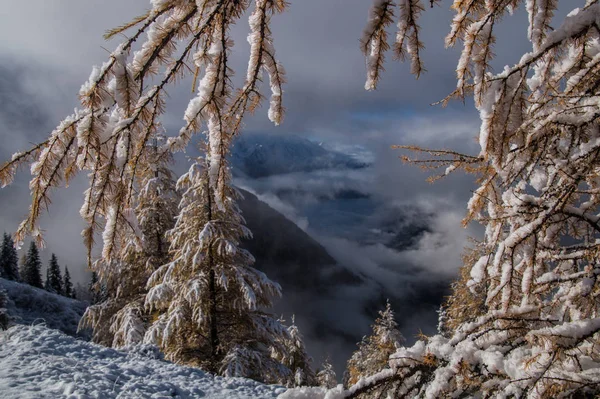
(29, 271)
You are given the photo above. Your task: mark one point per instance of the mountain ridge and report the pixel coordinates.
(262, 155)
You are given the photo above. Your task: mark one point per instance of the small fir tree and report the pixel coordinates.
(374, 351)
(297, 359)
(9, 262)
(32, 268)
(326, 376)
(68, 285)
(54, 276)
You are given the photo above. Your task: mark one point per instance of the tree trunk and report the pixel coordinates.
(159, 248)
(212, 292)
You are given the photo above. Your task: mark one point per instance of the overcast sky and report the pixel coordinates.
(47, 49)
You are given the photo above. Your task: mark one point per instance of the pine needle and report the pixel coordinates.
(195, 79)
(115, 31)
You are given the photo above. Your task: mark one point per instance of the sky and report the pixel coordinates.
(48, 47)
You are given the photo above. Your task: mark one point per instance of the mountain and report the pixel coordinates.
(258, 156)
(286, 253)
(332, 304)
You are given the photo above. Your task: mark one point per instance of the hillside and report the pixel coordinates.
(38, 362)
(29, 305)
(286, 253)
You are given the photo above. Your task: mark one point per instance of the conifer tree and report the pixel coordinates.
(22, 263)
(9, 262)
(374, 351)
(297, 359)
(67, 284)
(92, 288)
(465, 304)
(119, 318)
(4, 317)
(54, 277)
(326, 376)
(32, 268)
(47, 286)
(208, 300)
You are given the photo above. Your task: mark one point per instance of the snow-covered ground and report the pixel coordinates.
(39, 362)
(29, 305)
(43, 356)
(40, 357)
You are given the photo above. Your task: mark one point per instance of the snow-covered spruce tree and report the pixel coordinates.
(326, 376)
(9, 261)
(68, 285)
(209, 301)
(54, 276)
(119, 319)
(4, 317)
(296, 359)
(32, 268)
(374, 351)
(538, 270)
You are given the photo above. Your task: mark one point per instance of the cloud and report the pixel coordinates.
(439, 251)
(414, 280)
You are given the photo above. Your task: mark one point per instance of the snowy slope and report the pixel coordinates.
(29, 305)
(258, 156)
(38, 362)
